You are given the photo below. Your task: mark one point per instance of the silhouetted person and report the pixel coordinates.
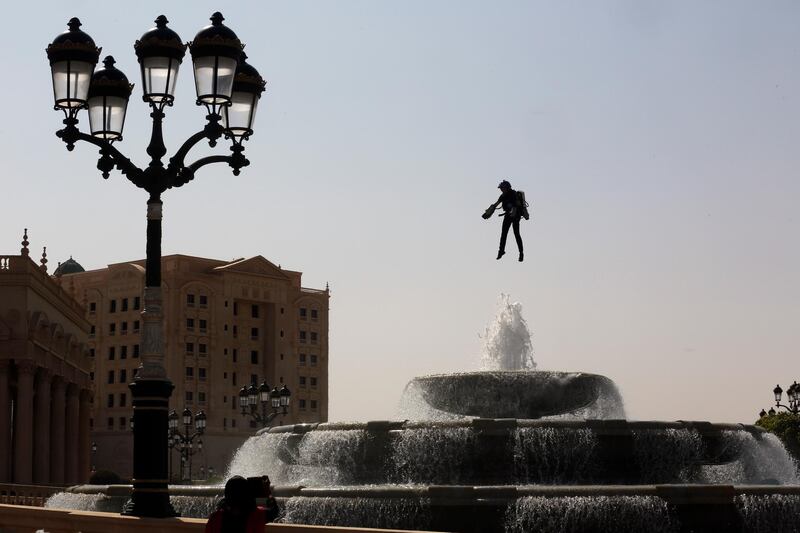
(238, 512)
(513, 210)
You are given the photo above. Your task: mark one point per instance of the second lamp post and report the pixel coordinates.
(184, 441)
(277, 400)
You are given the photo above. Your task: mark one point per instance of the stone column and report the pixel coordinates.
(5, 421)
(84, 446)
(23, 423)
(57, 432)
(71, 435)
(41, 433)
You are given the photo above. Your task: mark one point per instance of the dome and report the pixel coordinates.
(70, 266)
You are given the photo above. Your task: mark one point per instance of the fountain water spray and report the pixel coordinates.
(507, 340)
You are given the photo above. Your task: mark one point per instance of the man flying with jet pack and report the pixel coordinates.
(514, 208)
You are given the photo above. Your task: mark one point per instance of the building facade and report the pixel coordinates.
(227, 324)
(45, 386)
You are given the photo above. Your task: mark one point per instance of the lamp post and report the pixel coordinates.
(184, 441)
(229, 89)
(792, 394)
(277, 400)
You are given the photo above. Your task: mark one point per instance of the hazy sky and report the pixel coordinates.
(657, 142)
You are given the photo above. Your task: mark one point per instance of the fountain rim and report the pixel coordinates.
(504, 425)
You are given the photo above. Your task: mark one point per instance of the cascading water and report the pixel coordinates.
(512, 449)
(507, 340)
(578, 514)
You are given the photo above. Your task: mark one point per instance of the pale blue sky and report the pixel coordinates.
(657, 142)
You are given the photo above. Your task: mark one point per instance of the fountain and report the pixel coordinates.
(512, 448)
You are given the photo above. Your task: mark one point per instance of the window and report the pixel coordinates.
(124, 328)
(91, 423)
(136, 326)
(303, 337)
(189, 372)
(92, 307)
(302, 382)
(137, 302)
(235, 308)
(233, 402)
(123, 352)
(313, 405)
(303, 312)
(91, 352)
(123, 400)
(190, 348)
(302, 359)
(313, 337)
(254, 333)
(313, 383)
(111, 353)
(314, 314)
(224, 375)
(203, 349)
(302, 403)
(190, 300)
(110, 400)
(254, 310)
(281, 334)
(201, 397)
(124, 305)
(203, 325)
(112, 306)
(281, 310)
(189, 396)
(202, 374)
(253, 357)
(110, 422)
(123, 377)
(235, 354)
(190, 324)
(203, 300)
(313, 360)
(91, 376)
(135, 350)
(91, 331)
(233, 423)
(254, 378)
(225, 423)
(233, 378)
(224, 399)
(110, 377)
(235, 331)
(112, 328)
(122, 422)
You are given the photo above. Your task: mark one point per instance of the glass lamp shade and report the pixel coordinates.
(200, 421)
(108, 101)
(778, 391)
(72, 56)
(263, 392)
(173, 420)
(160, 52)
(187, 417)
(215, 54)
(275, 396)
(247, 88)
(285, 396)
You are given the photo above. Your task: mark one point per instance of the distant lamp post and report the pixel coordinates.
(183, 441)
(272, 402)
(793, 396)
(94, 457)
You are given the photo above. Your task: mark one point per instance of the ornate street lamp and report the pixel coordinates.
(184, 441)
(72, 56)
(215, 54)
(94, 457)
(792, 394)
(251, 397)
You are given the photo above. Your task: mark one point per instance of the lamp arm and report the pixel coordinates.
(110, 156)
(236, 161)
(212, 132)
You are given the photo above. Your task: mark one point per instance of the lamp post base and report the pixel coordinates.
(150, 495)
